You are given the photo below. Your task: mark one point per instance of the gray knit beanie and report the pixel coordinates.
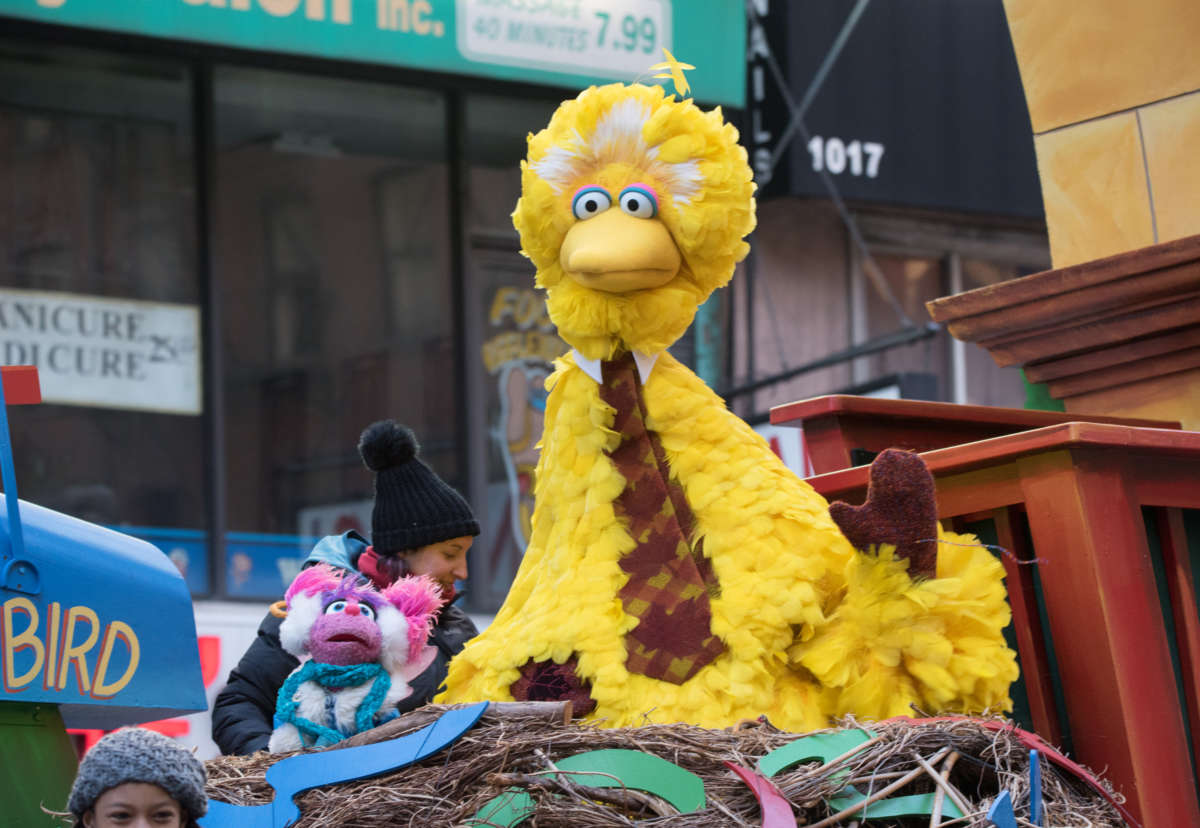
(139, 755)
(413, 506)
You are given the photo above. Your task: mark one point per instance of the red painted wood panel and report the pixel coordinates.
(835, 424)
(1112, 651)
(1083, 486)
(938, 412)
(1174, 483)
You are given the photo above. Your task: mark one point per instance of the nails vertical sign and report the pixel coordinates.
(766, 105)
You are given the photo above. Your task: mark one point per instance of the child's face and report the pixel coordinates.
(134, 805)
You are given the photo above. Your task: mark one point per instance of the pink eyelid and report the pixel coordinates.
(645, 187)
(587, 187)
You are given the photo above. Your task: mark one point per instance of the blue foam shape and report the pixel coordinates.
(1036, 812)
(222, 814)
(1001, 813)
(299, 773)
(8, 471)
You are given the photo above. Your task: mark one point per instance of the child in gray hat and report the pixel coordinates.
(136, 777)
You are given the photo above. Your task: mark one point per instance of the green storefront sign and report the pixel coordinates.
(570, 43)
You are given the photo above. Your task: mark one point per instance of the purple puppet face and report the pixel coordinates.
(347, 633)
(340, 618)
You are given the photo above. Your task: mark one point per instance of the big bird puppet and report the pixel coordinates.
(677, 570)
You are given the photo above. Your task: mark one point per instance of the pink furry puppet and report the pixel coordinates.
(365, 646)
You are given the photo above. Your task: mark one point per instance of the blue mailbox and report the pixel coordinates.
(94, 622)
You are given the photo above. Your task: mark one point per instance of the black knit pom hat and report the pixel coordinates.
(413, 506)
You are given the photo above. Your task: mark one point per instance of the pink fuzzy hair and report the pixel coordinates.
(315, 579)
(418, 598)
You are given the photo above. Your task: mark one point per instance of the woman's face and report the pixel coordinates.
(134, 805)
(445, 562)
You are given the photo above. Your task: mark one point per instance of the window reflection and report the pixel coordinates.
(97, 224)
(332, 254)
(511, 341)
(987, 382)
(912, 281)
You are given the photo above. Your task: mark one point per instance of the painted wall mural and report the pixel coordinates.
(518, 353)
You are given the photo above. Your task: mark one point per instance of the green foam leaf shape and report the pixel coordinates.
(604, 769)
(824, 747)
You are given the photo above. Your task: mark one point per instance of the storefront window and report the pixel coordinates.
(912, 281)
(99, 289)
(986, 382)
(510, 341)
(332, 259)
(958, 371)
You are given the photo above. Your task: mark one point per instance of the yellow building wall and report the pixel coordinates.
(1112, 89)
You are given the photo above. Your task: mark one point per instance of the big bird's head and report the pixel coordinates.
(633, 209)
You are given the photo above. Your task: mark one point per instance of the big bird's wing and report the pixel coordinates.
(792, 586)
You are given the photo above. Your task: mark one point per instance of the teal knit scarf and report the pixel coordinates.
(333, 676)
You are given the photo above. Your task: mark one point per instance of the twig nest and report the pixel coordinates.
(975, 761)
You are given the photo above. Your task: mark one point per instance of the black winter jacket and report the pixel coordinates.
(244, 712)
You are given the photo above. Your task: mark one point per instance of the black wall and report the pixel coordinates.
(935, 82)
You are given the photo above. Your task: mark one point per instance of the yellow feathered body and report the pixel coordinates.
(812, 628)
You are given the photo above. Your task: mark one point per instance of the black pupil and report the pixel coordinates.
(590, 205)
(632, 204)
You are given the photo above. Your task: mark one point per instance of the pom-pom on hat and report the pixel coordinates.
(135, 754)
(413, 506)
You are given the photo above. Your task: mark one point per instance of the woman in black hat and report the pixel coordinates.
(419, 526)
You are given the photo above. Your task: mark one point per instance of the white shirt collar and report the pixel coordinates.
(591, 367)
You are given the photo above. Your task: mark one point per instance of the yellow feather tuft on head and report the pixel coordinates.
(674, 70)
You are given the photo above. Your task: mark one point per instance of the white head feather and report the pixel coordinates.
(393, 628)
(617, 137)
(303, 612)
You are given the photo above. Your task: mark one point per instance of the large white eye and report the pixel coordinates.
(336, 606)
(366, 610)
(639, 201)
(590, 202)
